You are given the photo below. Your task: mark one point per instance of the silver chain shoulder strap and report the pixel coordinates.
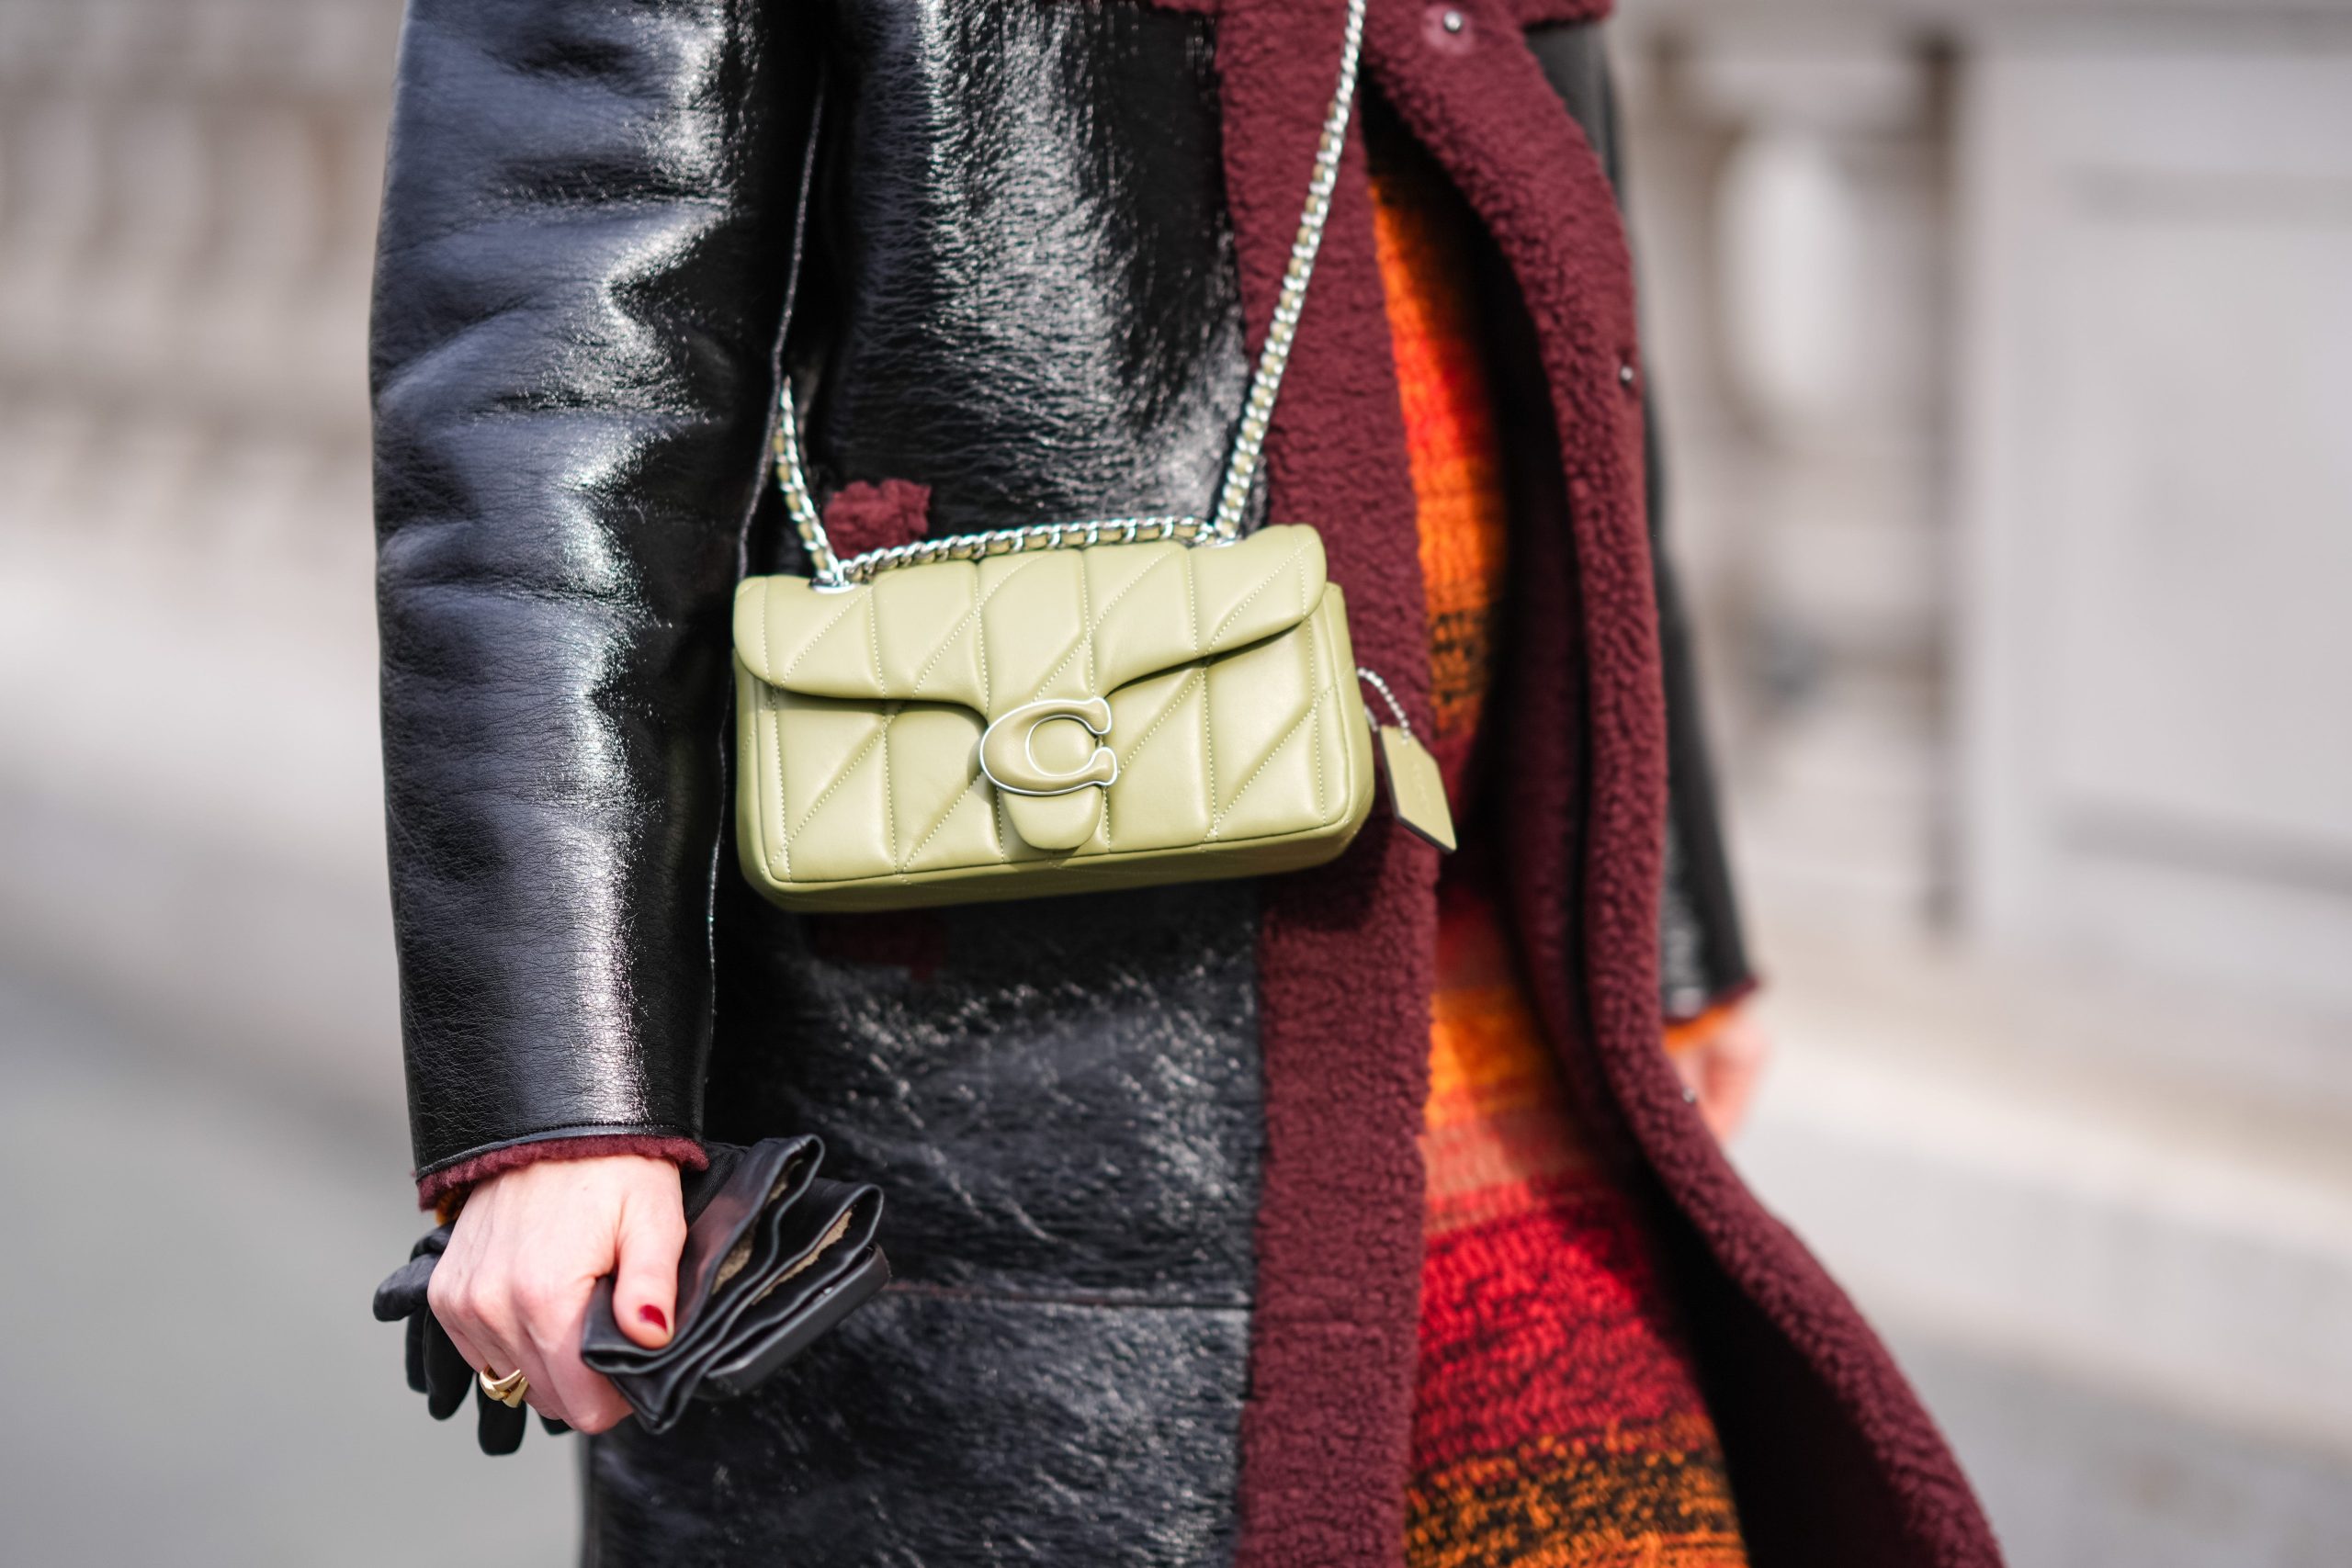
(1249, 442)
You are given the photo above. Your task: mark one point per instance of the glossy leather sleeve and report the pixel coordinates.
(1703, 953)
(577, 298)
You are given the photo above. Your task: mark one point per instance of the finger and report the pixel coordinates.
(1733, 1092)
(590, 1402)
(483, 1311)
(509, 1341)
(583, 1398)
(490, 1322)
(1736, 1064)
(645, 1286)
(541, 1390)
(476, 1342)
(1690, 1065)
(451, 1356)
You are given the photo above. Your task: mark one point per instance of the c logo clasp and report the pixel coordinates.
(1010, 765)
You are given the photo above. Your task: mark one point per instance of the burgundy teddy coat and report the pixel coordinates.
(577, 335)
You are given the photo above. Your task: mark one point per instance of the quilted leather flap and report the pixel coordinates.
(991, 635)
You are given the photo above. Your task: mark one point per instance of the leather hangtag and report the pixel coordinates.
(1416, 788)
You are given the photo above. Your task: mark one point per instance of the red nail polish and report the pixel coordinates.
(653, 1314)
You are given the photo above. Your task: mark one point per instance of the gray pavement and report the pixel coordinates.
(2077, 1478)
(194, 1379)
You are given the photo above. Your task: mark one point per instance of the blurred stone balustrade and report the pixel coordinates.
(189, 816)
(2003, 345)
(187, 211)
(2006, 353)
(1799, 316)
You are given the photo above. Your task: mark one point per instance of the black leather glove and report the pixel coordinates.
(775, 1255)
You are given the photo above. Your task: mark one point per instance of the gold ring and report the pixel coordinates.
(509, 1390)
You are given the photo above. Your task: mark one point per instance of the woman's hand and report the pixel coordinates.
(526, 1254)
(1721, 1067)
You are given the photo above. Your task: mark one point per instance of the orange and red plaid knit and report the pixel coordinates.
(1557, 1420)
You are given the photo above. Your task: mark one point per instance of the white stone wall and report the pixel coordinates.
(2003, 347)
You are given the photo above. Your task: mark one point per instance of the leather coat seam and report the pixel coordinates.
(1093, 1301)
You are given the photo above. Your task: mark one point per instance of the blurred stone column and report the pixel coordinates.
(191, 815)
(1828, 221)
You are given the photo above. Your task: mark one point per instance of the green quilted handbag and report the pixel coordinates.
(1061, 707)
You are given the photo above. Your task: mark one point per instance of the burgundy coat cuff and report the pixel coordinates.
(442, 1188)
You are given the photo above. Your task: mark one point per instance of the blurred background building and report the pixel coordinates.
(2006, 350)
